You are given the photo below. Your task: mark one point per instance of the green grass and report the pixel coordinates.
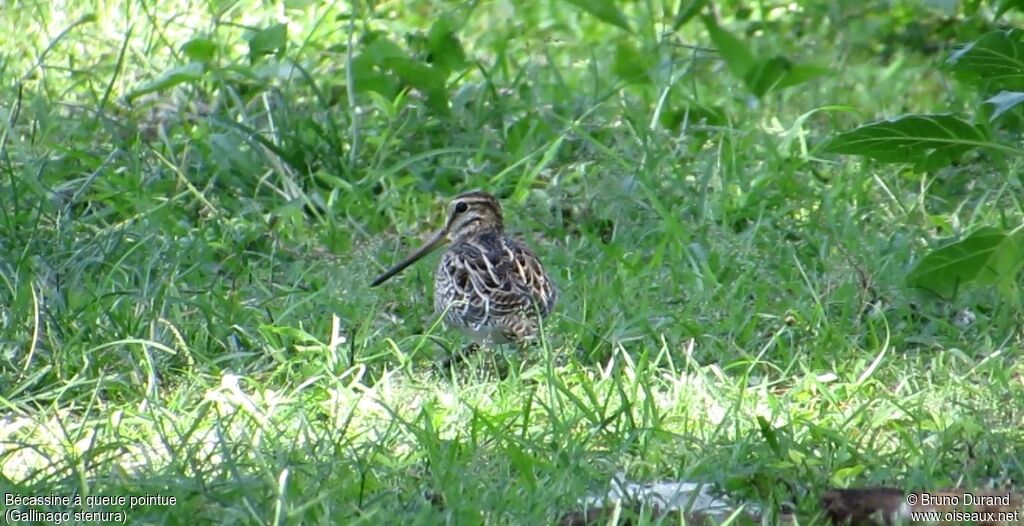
(184, 299)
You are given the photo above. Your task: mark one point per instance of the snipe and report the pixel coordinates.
(488, 285)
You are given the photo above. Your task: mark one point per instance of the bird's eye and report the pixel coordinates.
(460, 208)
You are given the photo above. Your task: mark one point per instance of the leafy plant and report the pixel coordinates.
(760, 75)
(929, 141)
(990, 254)
(605, 10)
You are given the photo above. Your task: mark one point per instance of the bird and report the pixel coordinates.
(488, 285)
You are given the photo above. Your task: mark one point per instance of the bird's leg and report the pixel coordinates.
(499, 367)
(460, 356)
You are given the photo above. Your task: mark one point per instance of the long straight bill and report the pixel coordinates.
(437, 240)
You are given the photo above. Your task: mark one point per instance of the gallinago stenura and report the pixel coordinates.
(488, 285)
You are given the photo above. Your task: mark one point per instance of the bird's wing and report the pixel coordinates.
(529, 272)
(488, 279)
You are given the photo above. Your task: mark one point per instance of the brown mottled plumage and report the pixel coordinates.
(488, 285)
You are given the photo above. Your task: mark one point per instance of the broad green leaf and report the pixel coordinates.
(778, 73)
(430, 81)
(994, 59)
(800, 73)
(527, 132)
(631, 64)
(1006, 261)
(760, 76)
(384, 55)
(737, 55)
(694, 113)
(190, 72)
(687, 10)
(843, 476)
(366, 80)
(445, 48)
(769, 435)
(1007, 5)
(1004, 101)
(268, 41)
(988, 254)
(199, 49)
(935, 160)
(379, 48)
(911, 138)
(604, 10)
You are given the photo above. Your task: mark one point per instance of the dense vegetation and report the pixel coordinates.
(787, 237)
